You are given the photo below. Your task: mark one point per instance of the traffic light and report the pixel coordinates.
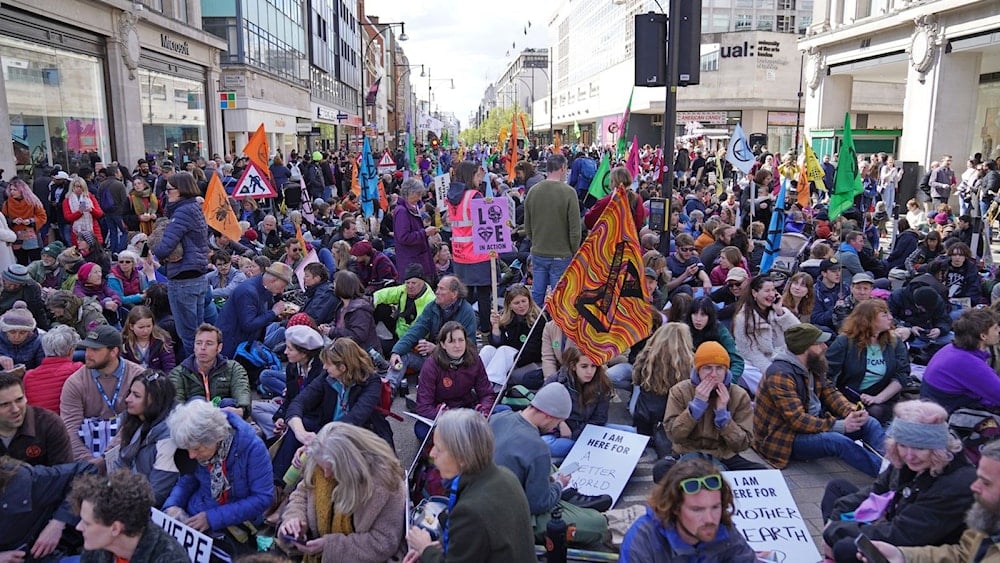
(433, 139)
(435, 143)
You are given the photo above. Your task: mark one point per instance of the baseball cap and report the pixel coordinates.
(862, 277)
(736, 274)
(800, 337)
(829, 264)
(103, 336)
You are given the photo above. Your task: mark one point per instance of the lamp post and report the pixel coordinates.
(396, 89)
(429, 80)
(380, 26)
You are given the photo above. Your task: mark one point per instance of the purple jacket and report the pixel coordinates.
(959, 378)
(411, 241)
(464, 387)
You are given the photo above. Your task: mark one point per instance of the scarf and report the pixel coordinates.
(144, 202)
(328, 521)
(130, 284)
(217, 469)
(76, 204)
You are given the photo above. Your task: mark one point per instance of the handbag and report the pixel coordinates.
(28, 239)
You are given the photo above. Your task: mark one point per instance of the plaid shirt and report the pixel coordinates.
(781, 409)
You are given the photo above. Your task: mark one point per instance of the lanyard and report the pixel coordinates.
(118, 386)
(204, 381)
(452, 498)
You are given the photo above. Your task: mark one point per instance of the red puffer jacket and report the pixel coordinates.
(43, 385)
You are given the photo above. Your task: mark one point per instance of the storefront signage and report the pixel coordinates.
(303, 127)
(326, 113)
(764, 49)
(233, 81)
(713, 117)
(176, 46)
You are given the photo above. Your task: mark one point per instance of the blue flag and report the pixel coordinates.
(739, 153)
(486, 175)
(774, 231)
(368, 178)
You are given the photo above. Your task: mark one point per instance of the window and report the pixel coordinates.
(765, 23)
(786, 24)
(786, 4)
(744, 22)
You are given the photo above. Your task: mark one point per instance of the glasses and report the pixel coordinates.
(171, 188)
(153, 376)
(124, 261)
(734, 284)
(687, 249)
(708, 482)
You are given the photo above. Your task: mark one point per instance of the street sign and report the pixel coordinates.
(387, 165)
(233, 81)
(253, 183)
(341, 116)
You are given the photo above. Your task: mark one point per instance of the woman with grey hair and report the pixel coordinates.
(412, 246)
(43, 385)
(923, 495)
(351, 504)
(477, 528)
(230, 485)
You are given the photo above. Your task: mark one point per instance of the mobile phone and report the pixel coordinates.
(145, 251)
(293, 539)
(569, 468)
(851, 394)
(867, 548)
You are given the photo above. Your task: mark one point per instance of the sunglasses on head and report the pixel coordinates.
(708, 482)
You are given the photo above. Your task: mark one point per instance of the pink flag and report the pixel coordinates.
(632, 164)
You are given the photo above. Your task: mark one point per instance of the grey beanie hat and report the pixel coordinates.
(553, 400)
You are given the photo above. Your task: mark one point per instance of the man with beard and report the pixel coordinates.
(800, 415)
(95, 394)
(983, 520)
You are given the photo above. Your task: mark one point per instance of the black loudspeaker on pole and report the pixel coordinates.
(689, 50)
(650, 49)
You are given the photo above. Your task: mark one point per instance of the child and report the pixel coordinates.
(729, 258)
(590, 389)
(145, 343)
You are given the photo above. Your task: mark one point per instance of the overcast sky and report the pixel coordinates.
(466, 41)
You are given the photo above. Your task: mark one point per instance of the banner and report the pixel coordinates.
(258, 152)
(218, 213)
(600, 185)
(847, 184)
(368, 179)
(197, 544)
(491, 228)
(606, 459)
(739, 153)
(775, 230)
(768, 518)
(600, 303)
(814, 170)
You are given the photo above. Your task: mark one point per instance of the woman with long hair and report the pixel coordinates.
(146, 446)
(471, 267)
(667, 359)
(590, 389)
(759, 327)
(867, 362)
(155, 297)
(81, 211)
(145, 343)
(453, 377)
(351, 502)
(799, 296)
(26, 216)
(356, 316)
(927, 485)
(514, 329)
(703, 320)
(143, 206)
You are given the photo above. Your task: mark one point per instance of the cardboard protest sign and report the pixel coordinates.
(769, 519)
(491, 225)
(197, 544)
(606, 459)
(441, 185)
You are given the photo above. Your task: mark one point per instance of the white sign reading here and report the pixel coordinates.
(197, 544)
(607, 458)
(769, 519)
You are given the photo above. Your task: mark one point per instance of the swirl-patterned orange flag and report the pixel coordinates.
(601, 302)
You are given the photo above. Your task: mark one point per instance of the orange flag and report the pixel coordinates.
(557, 143)
(258, 151)
(803, 188)
(355, 185)
(513, 150)
(299, 238)
(600, 302)
(218, 213)
(383, 201)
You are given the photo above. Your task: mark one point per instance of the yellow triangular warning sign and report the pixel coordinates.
(253, 183)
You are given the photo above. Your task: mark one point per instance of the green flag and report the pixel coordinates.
(411, 153)
(599, 185)
(576, 129)
(623, 128)
(848, 180)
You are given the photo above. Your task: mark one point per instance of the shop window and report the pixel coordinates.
(50, 122)
(174, 128)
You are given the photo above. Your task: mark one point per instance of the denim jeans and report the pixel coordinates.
(834, 444)
(545, 272)
(621, 375)
(187, 303)
(271, 383)
(410, 360)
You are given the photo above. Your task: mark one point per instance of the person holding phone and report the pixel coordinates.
(759, 327)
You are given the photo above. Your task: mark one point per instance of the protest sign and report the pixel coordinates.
(606, 459)
(197, 544)
(491, 225)
(441, 185)
(769, 519)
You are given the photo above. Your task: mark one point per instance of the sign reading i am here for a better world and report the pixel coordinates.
(197, 544)
(491, 225)
(606, 459)
(769, 519)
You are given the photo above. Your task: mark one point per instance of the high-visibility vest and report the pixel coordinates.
(461, 231)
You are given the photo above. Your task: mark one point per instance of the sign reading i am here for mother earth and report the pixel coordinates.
(769, 519)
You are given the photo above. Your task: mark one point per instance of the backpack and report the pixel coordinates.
(295, 174)
(975, 428)
(105, 199)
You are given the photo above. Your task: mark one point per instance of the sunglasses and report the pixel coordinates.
(124, 261)
(734, 284)
(708, 482)
(687, 249)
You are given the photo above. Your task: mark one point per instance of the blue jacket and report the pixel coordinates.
(431, 320)
(322, 303)
(582, 172)
(188, 228)
(28, 352)
(648, 540)
(34, 495)
(826, 299)
(245, 315)
(248, 470)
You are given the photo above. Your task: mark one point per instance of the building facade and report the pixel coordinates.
(940, 58)
(88, 80)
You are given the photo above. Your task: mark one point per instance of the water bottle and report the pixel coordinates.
(381, 365)
(555, 538)
(294, 474)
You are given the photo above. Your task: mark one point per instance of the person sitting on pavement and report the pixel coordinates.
(868, 363)
(418, 342)
(688, 518)
(848, 254)
(47, 271)
(922, 311)
(861, 290)
(515, 330)
(144, 439)
(829, 291)
(126, 280)
(398, 306)
(321, 303)
(703, 321)
(224, 279)
(18, 286)
(590, 389)
(43, 385)
(758, 328)
(927, 485)
(453, 377)
(666, 360)
(252, 307)
(960, 275)
(94, 396)
(115, 521)
(919, 261)
(302, 347)
(37, 520)
(30, 433)
(355, 317)
(209, 374)
(20, 344)
(707, 415)
(230, 484)
(520, 449)
(145, 343)
(800, 415)
(686, 269)
(489, 517)
(729, 295)
(373, 268)
(959, 375)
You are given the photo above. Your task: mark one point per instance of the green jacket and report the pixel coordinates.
(552, 219)
(396, 296)
(226, 380)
